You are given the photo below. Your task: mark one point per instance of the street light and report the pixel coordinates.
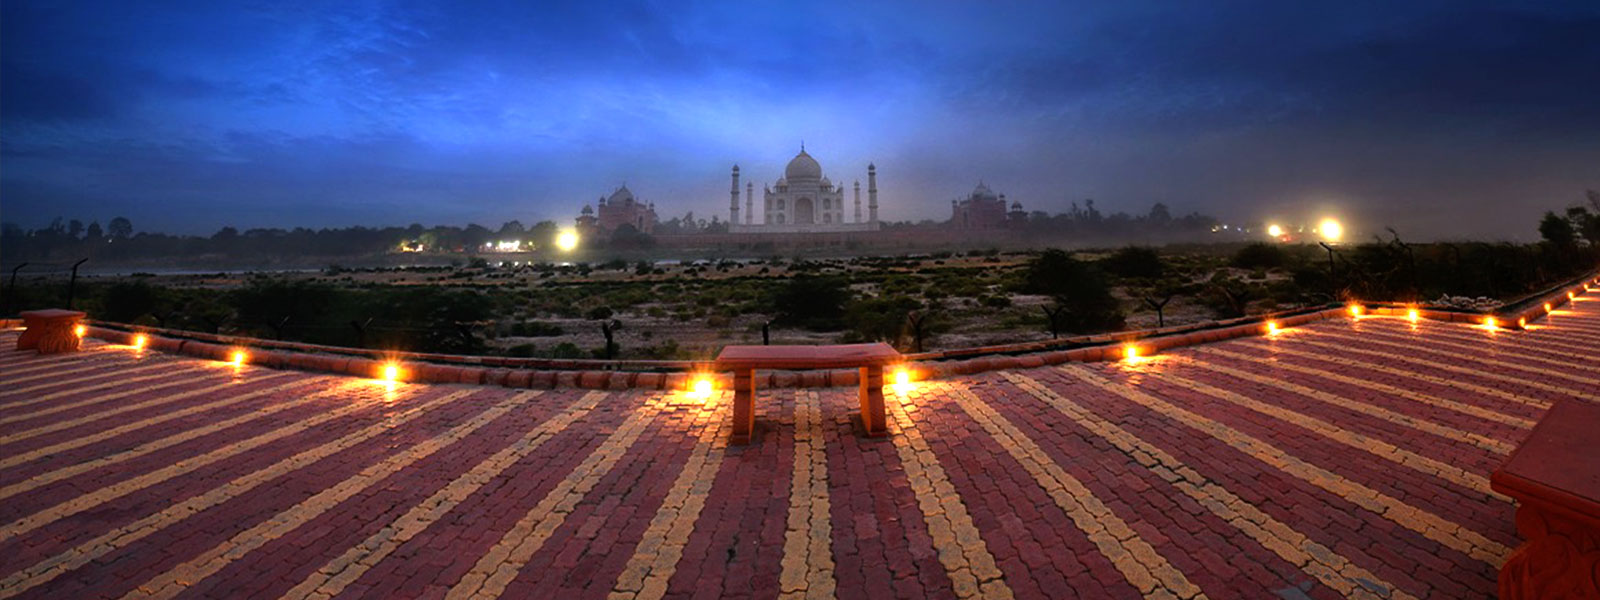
(1275, 231)
(567, 240)
(1330, 229)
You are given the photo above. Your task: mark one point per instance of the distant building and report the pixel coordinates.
(621, 208)
(983, 209)
(803, 201)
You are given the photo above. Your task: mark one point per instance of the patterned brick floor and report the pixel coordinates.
(1344, 458)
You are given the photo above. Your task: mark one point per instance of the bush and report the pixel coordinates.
(127, 302)
(879, 319)
(1082, 296)
(1260, 255)
(815, 303)
(1134, 261)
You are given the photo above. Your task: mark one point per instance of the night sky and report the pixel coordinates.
(1444, 119)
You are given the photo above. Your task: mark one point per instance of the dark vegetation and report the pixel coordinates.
(645, 310)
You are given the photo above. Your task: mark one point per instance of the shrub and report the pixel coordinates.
(1134, 261)
(812, 302)
(1259, 255)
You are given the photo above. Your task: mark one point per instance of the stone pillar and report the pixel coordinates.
(733, 202)
(858, 200)
(744, 405)
(874, 417)
(872, 195)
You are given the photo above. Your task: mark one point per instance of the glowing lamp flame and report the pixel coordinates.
(902, 377)
(140, 341)
(1131, 353)
(1490, 323)
(702, 388)
(1547, 307)
(1414, 315)
(238, 358)
(81, 330)
(1272, 328)
(1522, 322)
(391, 372)
(1355, 310)
(567, 240)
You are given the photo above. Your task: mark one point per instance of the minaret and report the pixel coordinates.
(872, 195)
(749, 201)
(733, 202)
(858, 200)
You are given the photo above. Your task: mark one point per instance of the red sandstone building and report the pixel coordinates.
(983, 209)
(621, 208)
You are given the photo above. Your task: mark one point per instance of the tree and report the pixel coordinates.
(226, 234)
(812, 302)
(1078, 288)
(1159, 215)
(1556, 230)
(75, 228)
(1134, 261)
(512, 227)
(94, 233)
(120, 228)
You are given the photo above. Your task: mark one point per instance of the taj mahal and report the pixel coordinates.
(803, 200)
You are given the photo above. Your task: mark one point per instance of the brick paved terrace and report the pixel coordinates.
(1342, 458)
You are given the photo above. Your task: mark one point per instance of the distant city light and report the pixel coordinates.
(1330, 229)
(1275, 230)
(508, 246)
(567, 240)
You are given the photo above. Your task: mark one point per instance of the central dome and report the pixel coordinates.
(803, 167)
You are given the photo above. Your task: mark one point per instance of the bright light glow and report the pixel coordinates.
(508, 246)
(1414, 315)
(701, 389)
(902, 381)
(1490, 323)
(1547, 307)
(391, 372)
(1570, 296)
(1132, 353)
(1522, 322)
(140, 341)
(1330, 229)
(1272, 328)
(567, 240)
(238, 358)
(1275, 230)
(1355, 310)
(81, 330)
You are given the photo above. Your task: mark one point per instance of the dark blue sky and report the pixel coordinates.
(1445, 119)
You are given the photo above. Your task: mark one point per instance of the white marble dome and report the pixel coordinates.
(803, 167)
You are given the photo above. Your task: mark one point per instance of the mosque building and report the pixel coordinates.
(983, 209)
(621, 208)
(803, 201)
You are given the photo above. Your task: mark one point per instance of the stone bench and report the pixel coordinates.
(50, 331)
(745, 360)
(1555, 478)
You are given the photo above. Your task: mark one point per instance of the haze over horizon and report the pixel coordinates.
(1442, 119)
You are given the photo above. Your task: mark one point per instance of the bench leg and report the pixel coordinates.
(744, 405)
(873, 415)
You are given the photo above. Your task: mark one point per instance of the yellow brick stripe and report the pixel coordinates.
(158, 400)
(129, 486)
(655, 559)
(1373, 446)
(1460, 407)
(1321, 562)
(50, 368)
(210, 562)
(1427, 524)
(1337, 350)
(1444, 431)
(1145, 568)
(157, 444)
(961, 548)
(1478, 356)
(807, 565)
(120, 537)
(499, 567)
(108, 379)
(1510, 344)
(332, 578)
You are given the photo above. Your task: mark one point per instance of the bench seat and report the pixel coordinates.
(745, 360)
(49, 331)
(1555, 478)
